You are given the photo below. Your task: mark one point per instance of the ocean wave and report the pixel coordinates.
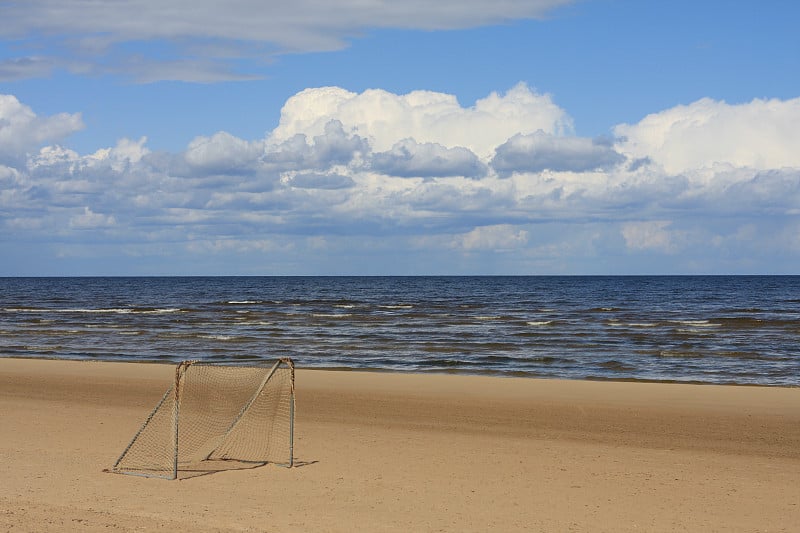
(635, 325)
(698, 323)
(616, 366)
(104, 311)
(679, 354)
(217, 337)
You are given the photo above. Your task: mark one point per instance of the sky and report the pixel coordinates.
(376, 137)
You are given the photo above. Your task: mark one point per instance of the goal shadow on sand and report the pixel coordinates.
(215, 466)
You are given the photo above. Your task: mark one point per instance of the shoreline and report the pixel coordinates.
(454, 373)
(386, 451)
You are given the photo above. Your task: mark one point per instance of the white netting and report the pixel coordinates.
(224, 417)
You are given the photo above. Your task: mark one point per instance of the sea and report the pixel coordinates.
(694, 329)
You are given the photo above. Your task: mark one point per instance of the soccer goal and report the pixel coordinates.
(216, 417)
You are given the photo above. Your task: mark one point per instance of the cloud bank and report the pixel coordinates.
(417, 183)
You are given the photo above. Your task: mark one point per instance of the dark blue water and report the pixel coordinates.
(712, 329)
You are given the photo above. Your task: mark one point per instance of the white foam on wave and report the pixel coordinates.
(331, 315)
(675, 353)
(397, 306)
(112, 310)
(698, 323)
(540, 323)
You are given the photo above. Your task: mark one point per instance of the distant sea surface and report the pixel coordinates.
(705, 329)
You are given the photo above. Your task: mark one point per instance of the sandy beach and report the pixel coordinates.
(410, 452)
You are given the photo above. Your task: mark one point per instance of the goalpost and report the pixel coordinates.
(216, 417)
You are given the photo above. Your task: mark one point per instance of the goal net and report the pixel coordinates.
(216, 417)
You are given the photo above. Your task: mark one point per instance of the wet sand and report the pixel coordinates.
(412, 452)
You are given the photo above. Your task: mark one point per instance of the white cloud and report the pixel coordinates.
(221, 32)
(22, 131)
(761, 134)
(332, 146)
(125, 153)
(50, 156)
(117, 159)
(385, 119)
(223, 153)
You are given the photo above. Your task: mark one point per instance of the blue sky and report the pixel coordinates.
(530, 137)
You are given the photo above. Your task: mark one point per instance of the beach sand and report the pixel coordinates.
(411, 452)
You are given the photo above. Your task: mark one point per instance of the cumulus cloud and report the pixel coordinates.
(333, 146)
(118, 158)
(407, 158)
(22, 131)
(541, 151)
(126, 152)
(760, 134)
(223, 153)
(221, 33)
(385, 119)
(52, 155)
